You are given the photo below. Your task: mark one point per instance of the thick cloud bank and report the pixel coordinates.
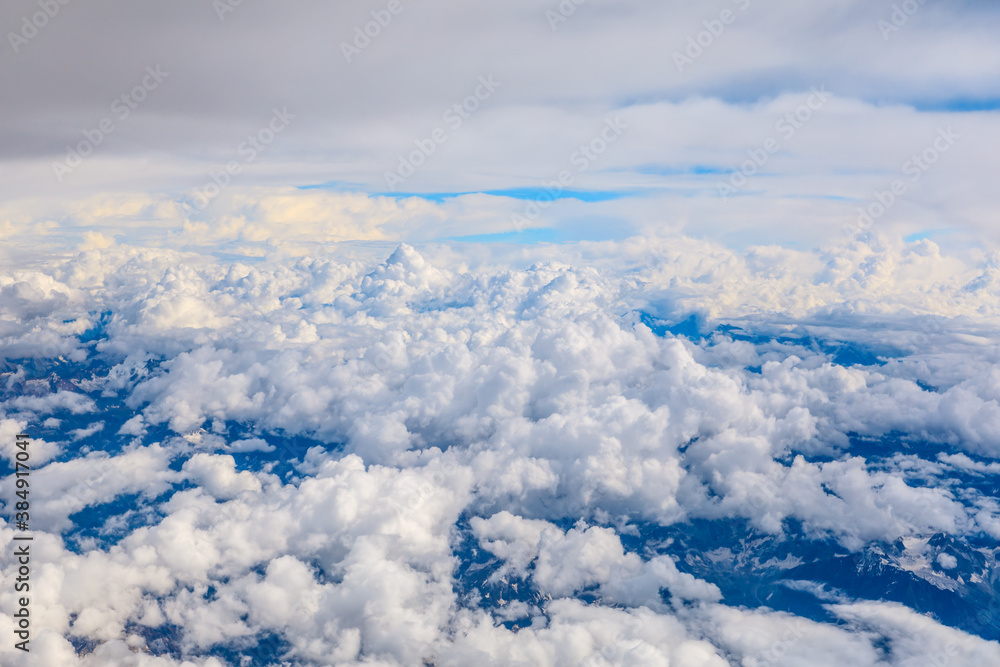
(646, 452)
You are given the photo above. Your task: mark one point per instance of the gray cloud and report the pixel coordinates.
(226, 75)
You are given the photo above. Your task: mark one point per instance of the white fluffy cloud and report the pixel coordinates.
(432, 392)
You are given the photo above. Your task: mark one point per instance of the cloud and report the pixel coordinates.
(442, 387)
(886, 101)
(720, 320)
(218, 476)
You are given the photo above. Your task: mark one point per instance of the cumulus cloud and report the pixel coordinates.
(434, 398)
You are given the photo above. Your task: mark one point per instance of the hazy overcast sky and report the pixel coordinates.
(698, 90)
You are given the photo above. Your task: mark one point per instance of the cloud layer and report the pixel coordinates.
(205, 140)
(452, 457)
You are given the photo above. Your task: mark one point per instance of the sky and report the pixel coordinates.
(535, 332)
(694, 111)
